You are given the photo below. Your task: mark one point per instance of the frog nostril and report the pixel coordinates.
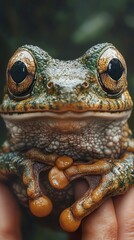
(50, 85)
(85, 84)
(66, 87)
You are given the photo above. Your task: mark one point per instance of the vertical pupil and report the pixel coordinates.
(18, 72)
(115, 69)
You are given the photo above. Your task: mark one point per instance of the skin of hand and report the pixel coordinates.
(113, 220)
(10, 219)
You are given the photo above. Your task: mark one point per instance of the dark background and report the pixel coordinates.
(65, 29)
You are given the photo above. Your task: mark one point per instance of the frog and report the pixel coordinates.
(67, 121)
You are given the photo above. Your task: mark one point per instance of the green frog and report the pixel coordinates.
(67, 120)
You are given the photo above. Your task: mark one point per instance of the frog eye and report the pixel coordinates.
(115, 69)
(21, 73)
(112, 72)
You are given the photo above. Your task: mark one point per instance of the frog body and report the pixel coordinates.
(67, 120)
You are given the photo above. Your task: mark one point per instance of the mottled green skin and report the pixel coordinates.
(103, 134)
(68, 93)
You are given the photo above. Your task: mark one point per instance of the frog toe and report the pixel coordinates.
(57, 178)
(40, 207)
(68, 222)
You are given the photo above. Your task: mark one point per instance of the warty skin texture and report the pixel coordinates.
(76, 138)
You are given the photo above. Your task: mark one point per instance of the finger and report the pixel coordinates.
(124, 206)
(79, 187)
(9, 215)
(101, 224)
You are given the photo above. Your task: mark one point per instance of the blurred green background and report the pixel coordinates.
(65, 29)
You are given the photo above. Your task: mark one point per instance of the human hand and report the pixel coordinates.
(9, 215)
(113, 220)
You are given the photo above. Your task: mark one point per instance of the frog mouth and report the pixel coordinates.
(66, 122)
(68, 115)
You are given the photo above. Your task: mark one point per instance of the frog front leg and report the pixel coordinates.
(28, 165)
(115, 180)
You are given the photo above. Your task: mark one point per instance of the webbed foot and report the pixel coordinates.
(39, 204)
(60, 177)
(116, 177)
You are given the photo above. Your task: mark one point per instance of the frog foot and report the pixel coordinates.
(117, 181)
(39, 204)
(63, 173)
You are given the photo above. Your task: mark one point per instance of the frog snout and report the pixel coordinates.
(65, 85)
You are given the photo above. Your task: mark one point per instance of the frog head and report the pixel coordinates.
(36, 82)
(85, 100)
